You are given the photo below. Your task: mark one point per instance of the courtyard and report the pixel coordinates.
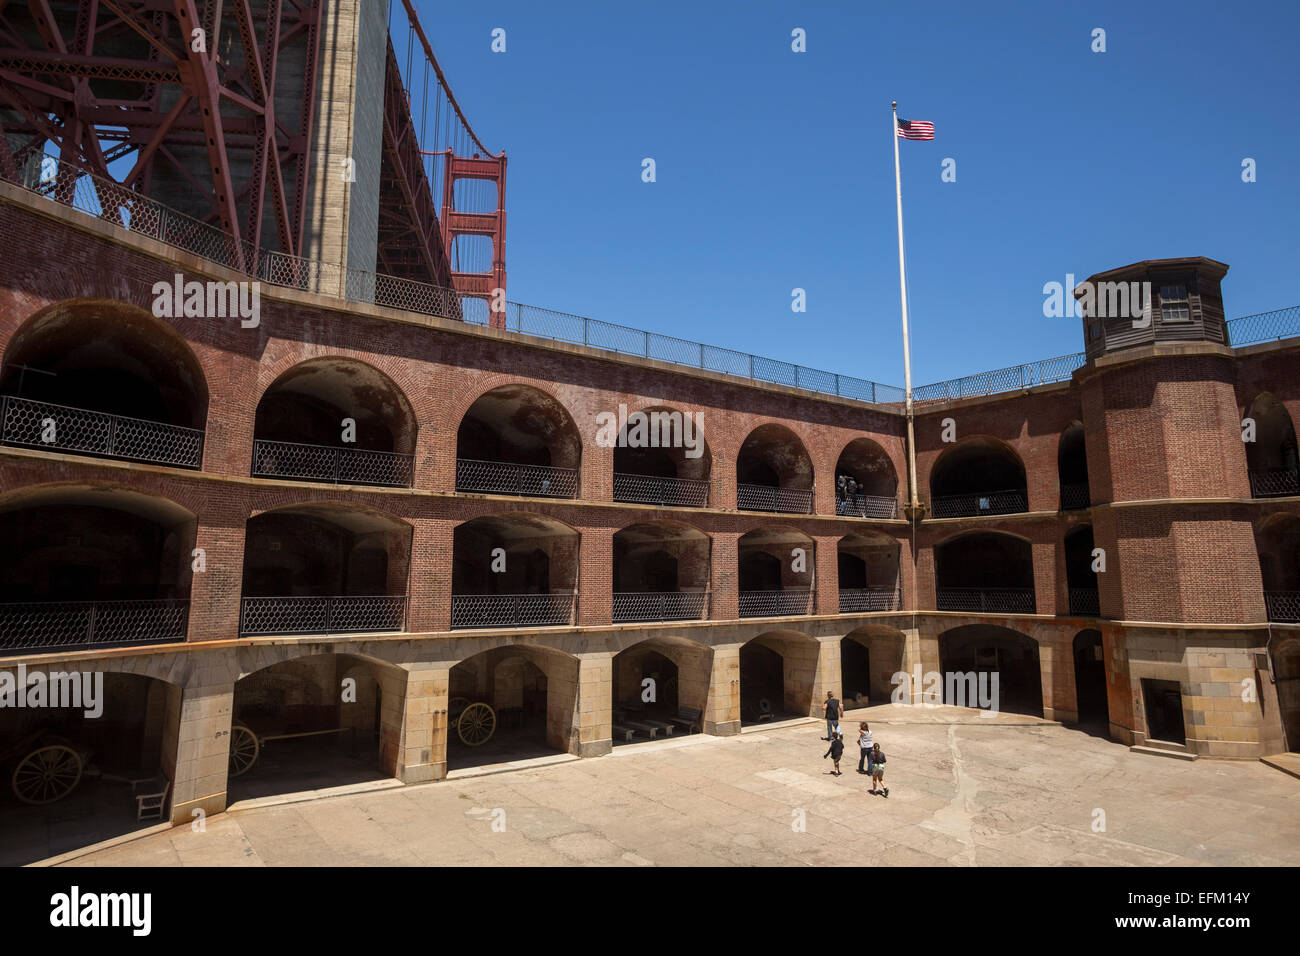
(965, 790)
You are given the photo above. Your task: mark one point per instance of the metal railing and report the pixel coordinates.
(1011, 501)
(1274, 482)
(29, 424)
(1264, 326)
(1283, 606)
(35, 625)
(660, 606)
(1010, 379)
(512, 610)
(341, 466)
(785, 603)
(1085, 602)
(335, 614)
(986, 600)
(668, 492)
(866, 506)
(861, 600)
(105, 199)
(505, 478)
(1075, 497)
(768, 498)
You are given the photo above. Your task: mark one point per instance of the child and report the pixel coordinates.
(878, 770)
(836, 749)
(864, 745)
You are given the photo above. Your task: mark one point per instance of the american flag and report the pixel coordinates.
(915, 129)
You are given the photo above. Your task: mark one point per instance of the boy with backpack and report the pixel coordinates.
(835, 751)
(878, 771)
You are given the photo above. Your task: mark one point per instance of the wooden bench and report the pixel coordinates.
(624, 732)
(662, 725)
(647, 729)
(690, 718)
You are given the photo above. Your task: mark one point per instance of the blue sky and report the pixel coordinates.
(775, 168)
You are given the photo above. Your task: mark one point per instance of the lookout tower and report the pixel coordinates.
(1156, 300)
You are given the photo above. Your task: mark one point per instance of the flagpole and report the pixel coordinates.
(907, 353)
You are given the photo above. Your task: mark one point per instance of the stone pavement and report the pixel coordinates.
(964, 790)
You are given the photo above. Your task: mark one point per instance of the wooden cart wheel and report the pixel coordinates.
(477, 724)
(47, 774)
(244, 748)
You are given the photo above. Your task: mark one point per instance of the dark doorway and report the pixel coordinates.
(986, 651)
(1090, 678)
(1164, 710)
(762, 683)
(855, 670)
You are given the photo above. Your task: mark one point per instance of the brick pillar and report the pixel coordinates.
(722, 488)
(413, 722)
(196, 749)
(596, 576)
(594, 722)
(429, 589)
(597, 477)
(435, 459)
(724, 605)
(827, 597)
(722, 706)
(1044, 555)
(215, 591)
(824, 492)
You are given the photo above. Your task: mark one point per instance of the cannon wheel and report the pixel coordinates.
(476, 725)
(244, 748)
(48, 773)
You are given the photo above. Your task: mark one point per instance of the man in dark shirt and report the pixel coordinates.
(832, 710)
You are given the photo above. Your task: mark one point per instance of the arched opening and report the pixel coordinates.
(868, 573)
(985, 572)
(324, 569)
(1072, 469)
(1286, 674)
(774, 472)
(511, 703)
(513, 570)
(103, 378)
(92, 565)
(869, 659)
(978, 476)
(323, 720)
(1079, 576)
(1090, 679)
(1271, 457)
(517, 440)
(660, 689)
(661, 572)
(777, 673)
(70, 773)
(866, 485)
(1278, 543)
(335, 420)
(775, 572)
(984, 665)
(661, 458)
